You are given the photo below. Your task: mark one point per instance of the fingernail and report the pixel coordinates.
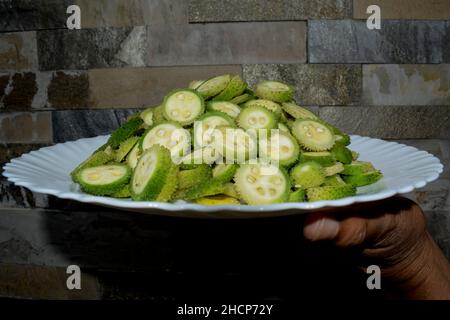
(322, 229)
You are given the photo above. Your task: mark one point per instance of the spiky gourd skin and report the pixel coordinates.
(342, 139)
(323, 158)
(282, 139)
(357, 168)
(308, 175)
(189, 178)
(153, 184)
(104, 189)
(256, 188)
(230, 190)
(213, 86)
(125, 148)
(217, 200)
(275, 91)
(297, 112)
(133, 156)
(224, 172)
(355, 155)
(313, 135)
(122, 193)
(335, 180)
(125, 131)
(363, 179)
(185, 121)
(334, 169)
(195, 84)
(273, 107)
(225, 107)
(262, 118)
(170, 186)
(96, 159)
(147, 116)
(206, 188)
(330, 193)
(243, 98)
(298, 195)
(158, 115)
(342, 154)
(234, 88)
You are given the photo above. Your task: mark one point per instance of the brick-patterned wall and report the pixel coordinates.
(58, 85)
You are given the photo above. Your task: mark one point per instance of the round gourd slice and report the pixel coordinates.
(204, 127)
(256, 117)
(275, 91)
(330, 192)
(194, 84)
(235, 145)
(125, 148)
(363, 179)
(313, 135)
(297, 112)
(224, 172)
(104, 180)
(234, 88)
(357, 168)
(259, 184)
(183, 106)
(280, 148)
(214, 86)
(227, 107)
(269, 105)
(151, 173)
(308, 175)
(323, 158)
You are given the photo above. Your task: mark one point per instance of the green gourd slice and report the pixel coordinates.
(147, 116)
(307, 175)
(170, 185)
(169, 135)
(214, 86)
(297, 112)
(335, 180)
(105, 179)
(96, 159)
(256, 117)
(342, 139)
(363, 179)
(183, 106)
(342, 153)
(235, 145)
(125, 131)
(122, 193)
(324, 158)
(133, 156)
(275, 91)
(243, 98)
(234, 88)
(230, 109)
(194, 84)
(297, 195)
(313, 135)
(334, 169)
(357, 168)
(280, 148)
(125, 148)
(259, 184)
(224, 172)
(330, 192)
(189, 178)
(269, 105)
(205, 155)
(204, 127)
(151, 173)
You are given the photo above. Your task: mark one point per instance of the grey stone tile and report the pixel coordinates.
(274, 10)
(406, 84)
(391, 122)
(77, 124)
(346, 41)
(324, 84)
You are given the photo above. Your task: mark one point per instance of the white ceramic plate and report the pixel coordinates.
(47, 171)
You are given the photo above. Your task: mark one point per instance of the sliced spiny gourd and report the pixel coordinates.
(183, 106)
(206, 188)
(125, 148)
(169, 135)
(147, 116)
(297, 196)
(204, 127)
(133, 156)
(334, 169)
(170, 185)
(357, 168)
(335, 180)
(233, 89)
(105, 179)
(189, 178)
(308, 175)
(230, 190)
(342, 139)
(342, 153)
(275, 91)
(151, 173)
(214, 86)
(217, 200)
(195, 84)
(256, 117)
(313, 135)
(96, 159)
(260, 184)
(235, 145)
(226, 107)
(363, 179)
(283, 128)
(158, 115)
(297, 112)
(125, 131)
(355, 155)
(122, 193)
(323, 158)
(280, 148)
(269, 105)
(330, 192)
(224, 172)
(206, 155)
(243, 98)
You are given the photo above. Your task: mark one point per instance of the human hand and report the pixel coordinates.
(391, 234)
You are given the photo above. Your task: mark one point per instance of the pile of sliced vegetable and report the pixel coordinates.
(218, 142)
